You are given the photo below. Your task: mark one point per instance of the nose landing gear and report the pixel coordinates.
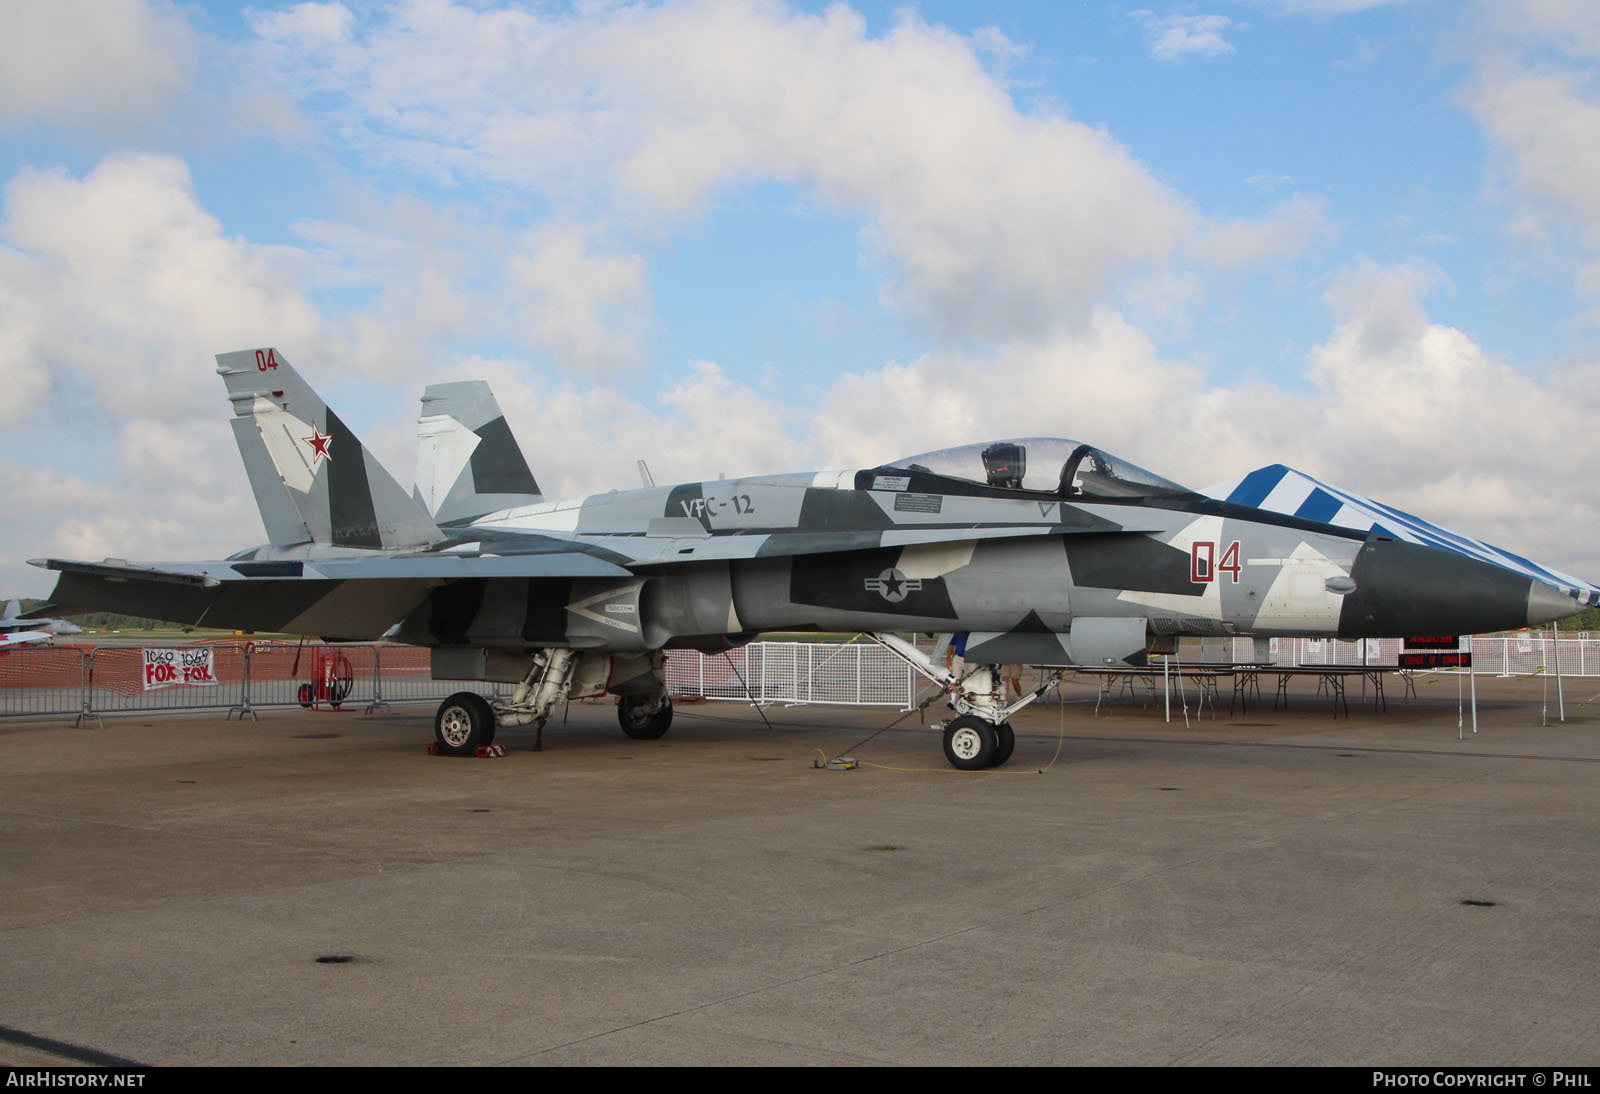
(981, 736)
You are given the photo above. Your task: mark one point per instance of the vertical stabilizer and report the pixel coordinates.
(468, 463)
(313, 479)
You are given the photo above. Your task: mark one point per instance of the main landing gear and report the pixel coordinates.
(981, 735)
(463, 724)
(644, 717)
(467, 721)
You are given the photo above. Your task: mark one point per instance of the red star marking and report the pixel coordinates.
(319, 442)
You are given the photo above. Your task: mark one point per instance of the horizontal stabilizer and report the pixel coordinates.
(312, 604)
(122, 571)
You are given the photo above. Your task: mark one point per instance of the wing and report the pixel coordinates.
(355, 596)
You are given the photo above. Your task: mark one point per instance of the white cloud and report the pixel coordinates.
(993, 222)
(174, 491)
(307, 25)
(1001, 50)
(582, 440)
(1435, 424)
(1106, 380)
(421, 276)
(1174, 37)
(125, 282)
(1330, 7)
(1284, 231)
(29, 489)
(97, 63)
(1544, 123)
(1537, 97)
(1566, 26)
(1401, 409)
(115, 291)
(443, 274)
(583, 308)
(23, 375)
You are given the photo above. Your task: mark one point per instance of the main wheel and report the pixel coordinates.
(464, 723)
(1005, 744)
(970, 743)
(638, 723)
(489, 719)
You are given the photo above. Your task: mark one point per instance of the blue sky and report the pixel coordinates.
(1355, 236)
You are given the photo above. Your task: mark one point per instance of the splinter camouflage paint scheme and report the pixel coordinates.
(1038, 550)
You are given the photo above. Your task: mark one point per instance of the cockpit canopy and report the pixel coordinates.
(1048, 465)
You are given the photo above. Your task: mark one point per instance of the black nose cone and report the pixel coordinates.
(1408, 588)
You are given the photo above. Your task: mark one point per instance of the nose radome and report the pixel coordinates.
(1412, 588)
(1546, 604)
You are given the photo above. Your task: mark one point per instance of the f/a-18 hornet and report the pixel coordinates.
(1040, 551)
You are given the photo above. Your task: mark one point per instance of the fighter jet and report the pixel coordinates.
(18, 628)
(26, 638)
(1040, 551)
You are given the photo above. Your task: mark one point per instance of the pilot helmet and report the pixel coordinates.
(1005, 464)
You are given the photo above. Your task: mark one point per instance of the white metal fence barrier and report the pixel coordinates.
(40, 680)
(1518, 654)
(796, 673)
(94, 681)
(120, 680)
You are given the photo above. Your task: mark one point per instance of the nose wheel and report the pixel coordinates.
(972, 744)
(1005, 744)
(969, 743)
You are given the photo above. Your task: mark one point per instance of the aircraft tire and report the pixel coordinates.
(463, 723)
(970, 743)
(489, 718)
(639, 725)
(1005, 744)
